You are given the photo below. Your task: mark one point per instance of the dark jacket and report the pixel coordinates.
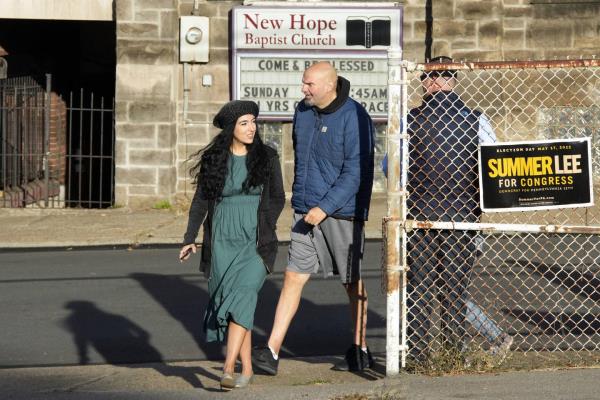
(271, 203)
(442, 175)
(333, 154)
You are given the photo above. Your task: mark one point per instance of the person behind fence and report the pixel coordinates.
(238, 199)
(443, 186)
(333, 177)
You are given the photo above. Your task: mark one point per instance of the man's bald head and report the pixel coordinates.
(319, 84)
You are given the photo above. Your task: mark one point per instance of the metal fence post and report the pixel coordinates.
(46, 151)
(392, 238)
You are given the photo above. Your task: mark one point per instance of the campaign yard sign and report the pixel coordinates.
(537, 175)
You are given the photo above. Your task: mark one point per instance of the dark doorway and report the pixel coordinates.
(80, 57)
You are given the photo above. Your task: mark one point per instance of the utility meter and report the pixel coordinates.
(193, 39)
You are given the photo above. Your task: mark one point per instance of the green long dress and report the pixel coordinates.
(237, 271)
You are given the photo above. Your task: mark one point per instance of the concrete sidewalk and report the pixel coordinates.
(302, 378)
(27, 228)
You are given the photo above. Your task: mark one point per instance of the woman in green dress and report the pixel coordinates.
(238, 199)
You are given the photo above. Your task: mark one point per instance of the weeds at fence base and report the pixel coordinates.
(452, 361)
(384, 395)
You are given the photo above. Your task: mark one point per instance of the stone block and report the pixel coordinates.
(571, 11)
(591, 43)
(121, 114)
(477, 10)
(153, 4)
(152, 158)
(521, 55)
(462, 45)
(136, 81)
(489, 35)
(147, 16)
(447, 29)
(121, 151)
(167, 136)
(137, 131)
(141, 111)
(142, 189)
(183, 169)
(225, 6)
(441, 9)
(219, 32)
(121, 194)
(517, 12)
(124, 10)
(130, 30)
(169, 25)
(288, 176)
(219, 91)
(513, 39)
(587, 28)
(167, 179)
(414, 50)
(412, 13)
(185, 189)
(513, 23)
(141, 144)
(141, 202)
(219, 56)
(135, 176)
(193, 135)
(146, 52)
(440, 48)
(476, 55)
(550, 33)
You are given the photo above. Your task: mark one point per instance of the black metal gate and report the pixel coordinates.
(54, 153)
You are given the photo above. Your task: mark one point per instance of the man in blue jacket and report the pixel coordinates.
(333, 176)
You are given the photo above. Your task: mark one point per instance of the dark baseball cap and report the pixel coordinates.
(447, 73)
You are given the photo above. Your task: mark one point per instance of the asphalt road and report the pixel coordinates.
(120, 306)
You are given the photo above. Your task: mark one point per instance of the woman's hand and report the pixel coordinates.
(186, 250)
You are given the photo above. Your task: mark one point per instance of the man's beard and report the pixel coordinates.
(309, 101)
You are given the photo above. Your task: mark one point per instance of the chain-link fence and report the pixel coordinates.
(483, 286)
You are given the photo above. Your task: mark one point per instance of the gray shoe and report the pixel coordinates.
(242, 381)
(227, 382)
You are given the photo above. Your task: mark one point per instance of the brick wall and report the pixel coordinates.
(57, 143)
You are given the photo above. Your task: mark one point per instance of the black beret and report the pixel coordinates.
(447, 73)
(230, 112)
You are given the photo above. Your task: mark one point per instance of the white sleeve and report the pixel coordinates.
(486, 132)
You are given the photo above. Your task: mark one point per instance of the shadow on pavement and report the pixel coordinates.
(119, 341)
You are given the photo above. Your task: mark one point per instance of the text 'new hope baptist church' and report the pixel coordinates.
(312, 32)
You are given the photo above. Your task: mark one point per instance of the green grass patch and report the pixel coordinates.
(162, 205)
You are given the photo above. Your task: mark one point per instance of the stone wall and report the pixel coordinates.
(146, 97)
(492, 30)
(155, 139)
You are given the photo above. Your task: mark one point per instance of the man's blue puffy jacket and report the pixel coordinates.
(333, 153)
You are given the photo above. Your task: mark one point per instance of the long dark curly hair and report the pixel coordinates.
(210, 170)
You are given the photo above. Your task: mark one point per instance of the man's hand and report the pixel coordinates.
(315, 216)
